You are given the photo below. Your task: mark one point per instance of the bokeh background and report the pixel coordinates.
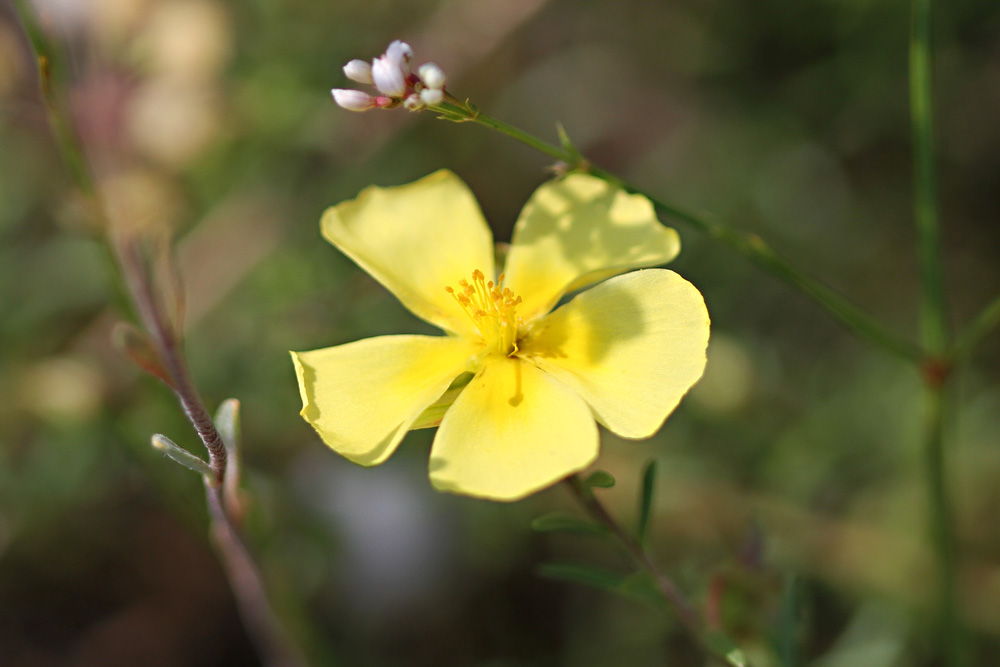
(797, 457)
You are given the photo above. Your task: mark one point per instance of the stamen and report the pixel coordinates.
(491, 308)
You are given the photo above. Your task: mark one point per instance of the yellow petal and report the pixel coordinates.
(416, 239)
(511, 432)
(362, 397)
(577, 231)
(631, 346)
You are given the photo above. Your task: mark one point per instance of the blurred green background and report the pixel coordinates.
(797, 456)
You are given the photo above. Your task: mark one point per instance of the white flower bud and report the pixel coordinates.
(399, 54)
(353, 100)
(432, 76)
(414, 103)
(388, 77)
(358, 70)
(431, 96)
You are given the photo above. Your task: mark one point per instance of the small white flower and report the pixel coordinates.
(432, 76)
(414, 102)
(399, 54)
(394, 83)
(431, 96)
(353, 100)
(388, 77)
(358, 70)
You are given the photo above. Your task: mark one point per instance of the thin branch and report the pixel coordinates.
(263, 627)
(982, 326)
(244, 578)
(685, 611)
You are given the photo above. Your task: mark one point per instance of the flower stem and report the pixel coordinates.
(750, 246)
(934, 336)
(686, 613)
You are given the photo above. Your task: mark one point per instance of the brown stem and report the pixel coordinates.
(172, 358)
(244, 578)
(262, 625)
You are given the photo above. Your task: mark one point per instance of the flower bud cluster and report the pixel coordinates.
(394, 82)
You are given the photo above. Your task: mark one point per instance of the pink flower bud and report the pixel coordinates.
(358, 70)
(432, 76)
(353, 100)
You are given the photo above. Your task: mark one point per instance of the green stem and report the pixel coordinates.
(686, 612)
(750, 246)
(942, 535)
(50, 75)
(522, 136)
(934, 335)
(980, 328)
(933, 317)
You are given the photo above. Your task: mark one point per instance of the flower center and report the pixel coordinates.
(492, 309)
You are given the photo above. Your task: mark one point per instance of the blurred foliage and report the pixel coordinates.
(796, 456)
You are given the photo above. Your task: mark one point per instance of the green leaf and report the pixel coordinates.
(136, 344)
(164, 444)
(588, 575)
(646, 501)
(642, 588)
(559, 522)
(600, 479)
(724, 646)
(638, 587)
(789, 624)
(565, 142)
(227, 422)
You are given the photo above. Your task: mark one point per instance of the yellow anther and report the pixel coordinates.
(491, 307)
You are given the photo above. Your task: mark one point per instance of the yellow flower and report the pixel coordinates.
(515, 388)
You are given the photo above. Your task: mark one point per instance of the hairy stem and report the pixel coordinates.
(150, 310)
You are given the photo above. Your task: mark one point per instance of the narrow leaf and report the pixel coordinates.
(184, 457)
(588, 575)
(166, 276)
(559, 522)
(641, 588)
(789, 624)
(600, 479)
(137, 346)
(227, 422)
(565, 142)
(646, 502)
(637, 587)
(725, 647)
